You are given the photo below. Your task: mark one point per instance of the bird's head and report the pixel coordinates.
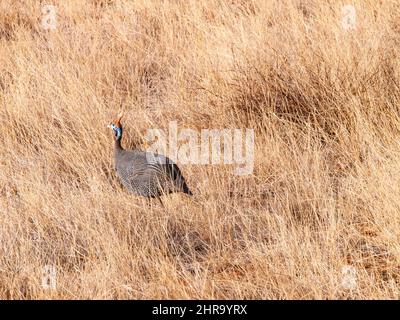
(116, 126)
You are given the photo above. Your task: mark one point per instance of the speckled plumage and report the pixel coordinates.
(144, 173)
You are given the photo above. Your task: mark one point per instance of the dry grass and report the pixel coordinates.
(324, 104)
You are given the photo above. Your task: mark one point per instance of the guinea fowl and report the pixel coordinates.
(144, 173)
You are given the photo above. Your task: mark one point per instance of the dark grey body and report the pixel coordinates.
(148, 174)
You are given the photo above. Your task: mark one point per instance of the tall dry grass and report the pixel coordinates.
(324, 104)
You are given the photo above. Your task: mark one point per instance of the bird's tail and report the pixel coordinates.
(186, 189)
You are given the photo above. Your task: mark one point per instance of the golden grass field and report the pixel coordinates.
(324, 104)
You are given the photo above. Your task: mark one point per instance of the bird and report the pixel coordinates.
(144, 173)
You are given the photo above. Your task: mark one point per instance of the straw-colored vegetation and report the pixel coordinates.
(324, 196)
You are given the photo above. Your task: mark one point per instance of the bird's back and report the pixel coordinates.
(149, 174)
